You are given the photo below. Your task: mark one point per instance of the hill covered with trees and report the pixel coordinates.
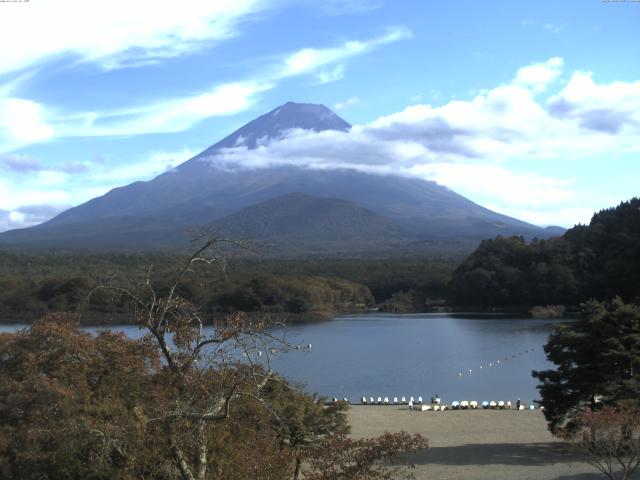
(599, 260)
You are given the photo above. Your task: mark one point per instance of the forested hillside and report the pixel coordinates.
(599, 260)
(31, 285)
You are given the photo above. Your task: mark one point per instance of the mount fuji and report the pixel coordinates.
(287, 208)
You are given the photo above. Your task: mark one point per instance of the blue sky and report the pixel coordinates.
(529, 108)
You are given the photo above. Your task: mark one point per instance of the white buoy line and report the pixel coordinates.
(495, 363)
(274, 351)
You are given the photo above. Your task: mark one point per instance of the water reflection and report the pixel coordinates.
(412, 355)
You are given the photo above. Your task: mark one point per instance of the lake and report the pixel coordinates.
(458, 356)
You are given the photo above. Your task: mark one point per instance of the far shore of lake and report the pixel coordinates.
(99, 319)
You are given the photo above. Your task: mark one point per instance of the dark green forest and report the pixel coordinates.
(312, 289)
(599, 260)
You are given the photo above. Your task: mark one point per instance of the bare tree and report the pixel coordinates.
(609, 439)
(207, 363)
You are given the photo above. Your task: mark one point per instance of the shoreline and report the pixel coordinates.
(303, 318)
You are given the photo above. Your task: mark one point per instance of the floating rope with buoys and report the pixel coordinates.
(495, 363)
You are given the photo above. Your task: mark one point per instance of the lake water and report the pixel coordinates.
(414, 355)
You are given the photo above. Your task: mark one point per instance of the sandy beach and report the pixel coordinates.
(478, 444)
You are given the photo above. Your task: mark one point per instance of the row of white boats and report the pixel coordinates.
(396, 401)
(473, 405)
(436, 404)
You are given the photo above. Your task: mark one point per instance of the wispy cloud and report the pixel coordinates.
(171, 115)
(347, 7)
(349, 102)
(117, 33)
(552, 27)
(26, 164)
(24, 121)
(148, 166)
(310, 59)
(330, 75)
(548, 26)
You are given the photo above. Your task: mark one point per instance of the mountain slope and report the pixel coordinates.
(194, 180)
(296, 220)
(158, 212)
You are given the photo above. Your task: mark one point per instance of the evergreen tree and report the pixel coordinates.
(598, 357)
(599, 260)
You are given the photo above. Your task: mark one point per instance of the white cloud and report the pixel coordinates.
(605, 108)
(350, 102)
(115, 33)
(497, 181)
(540, 75)
(22, 122)
(555, 215)
(14, 195)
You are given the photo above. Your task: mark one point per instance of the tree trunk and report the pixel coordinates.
(185, 471)
(202, 455)
(296, 474)
(178, 455)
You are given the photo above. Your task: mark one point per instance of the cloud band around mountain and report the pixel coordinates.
(476, 146)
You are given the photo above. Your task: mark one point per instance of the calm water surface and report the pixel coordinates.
(412, 355)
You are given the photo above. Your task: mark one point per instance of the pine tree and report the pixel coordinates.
(596, 358)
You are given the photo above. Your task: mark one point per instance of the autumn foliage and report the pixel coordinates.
(609, 439)
(188, 400)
